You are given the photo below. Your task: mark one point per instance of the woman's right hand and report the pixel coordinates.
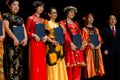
(92, 46)
(37, 38)
(55, 42)
(16, 42)
(73, 47)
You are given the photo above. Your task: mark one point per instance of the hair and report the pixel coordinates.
(85, 18)
(37, 4)
(11, 1)
(110, 16)
(49, 12)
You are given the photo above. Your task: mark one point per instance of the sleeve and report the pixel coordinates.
(0, 16)
(28, 25)
(47, 29)
(99, 37)
(5, 16)
(85, 36)
(67, 36)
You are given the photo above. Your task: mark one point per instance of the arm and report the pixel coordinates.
(28, 25)
(10, 33)
(24, 42)
(31, 34)
(67, 36)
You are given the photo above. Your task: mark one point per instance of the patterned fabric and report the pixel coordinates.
(13, 54)
(1, 57)
(54, 53)
(56, 69)
(93, 58)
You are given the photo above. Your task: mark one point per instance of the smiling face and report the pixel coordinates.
(71, 14)
(53, 14)
(14, 7)
(112, 20)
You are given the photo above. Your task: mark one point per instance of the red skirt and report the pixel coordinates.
(37, 60)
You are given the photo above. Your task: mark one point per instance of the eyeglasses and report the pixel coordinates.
(53, 12)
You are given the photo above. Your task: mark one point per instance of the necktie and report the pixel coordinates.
(114, 32)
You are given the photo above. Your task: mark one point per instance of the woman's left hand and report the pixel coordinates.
(24, 42)
(98, 46)
(82, 47)
(44, 39)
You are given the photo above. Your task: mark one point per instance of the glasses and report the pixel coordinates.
(53, 12)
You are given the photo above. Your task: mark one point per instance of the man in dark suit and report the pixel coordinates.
(111, 38)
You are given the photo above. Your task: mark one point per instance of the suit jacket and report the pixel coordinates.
(111, 43)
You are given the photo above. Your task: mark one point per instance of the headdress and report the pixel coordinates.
(70, 8)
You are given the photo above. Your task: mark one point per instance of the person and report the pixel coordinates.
(37, 49)
(13, 48)
(92, 53)
(74, 58)
(2, 37)
(56, 68)
(111, 40)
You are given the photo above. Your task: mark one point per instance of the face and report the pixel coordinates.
(14, 7)
(53, 14)
(90, 19)
(112, 20)
(71, 14)
(39, 9)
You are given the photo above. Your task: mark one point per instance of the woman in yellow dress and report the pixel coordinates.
(56, 69)
(1, 51)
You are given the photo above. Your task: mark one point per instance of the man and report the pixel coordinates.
(112, 49)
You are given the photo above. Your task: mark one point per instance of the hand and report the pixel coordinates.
(37, 38)
(44, 39)
(73, 47)
(98, 47)
(106, 52)
(82, 47)
(55, 42)
(92, 46)
(2, 38)
(16, 42)
(24, 42)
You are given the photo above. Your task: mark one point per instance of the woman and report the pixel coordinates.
(74, 58)
(1, 50)
(92, 53)
(13, 48)
(36, 44)
(56, 69)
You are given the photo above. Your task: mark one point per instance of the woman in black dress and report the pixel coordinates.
(13, 48)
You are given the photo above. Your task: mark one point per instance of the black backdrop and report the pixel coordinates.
(100, 8)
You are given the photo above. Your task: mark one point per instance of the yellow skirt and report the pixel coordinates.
(57, 72)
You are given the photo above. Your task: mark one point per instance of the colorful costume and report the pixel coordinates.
(73, 59)
(93, 57)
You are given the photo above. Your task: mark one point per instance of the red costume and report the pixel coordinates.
(37, 50)
(73, 59)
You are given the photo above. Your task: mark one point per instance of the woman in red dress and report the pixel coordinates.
(74, 58)
(37, 48)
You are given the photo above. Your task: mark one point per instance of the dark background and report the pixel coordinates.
(100, 8)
